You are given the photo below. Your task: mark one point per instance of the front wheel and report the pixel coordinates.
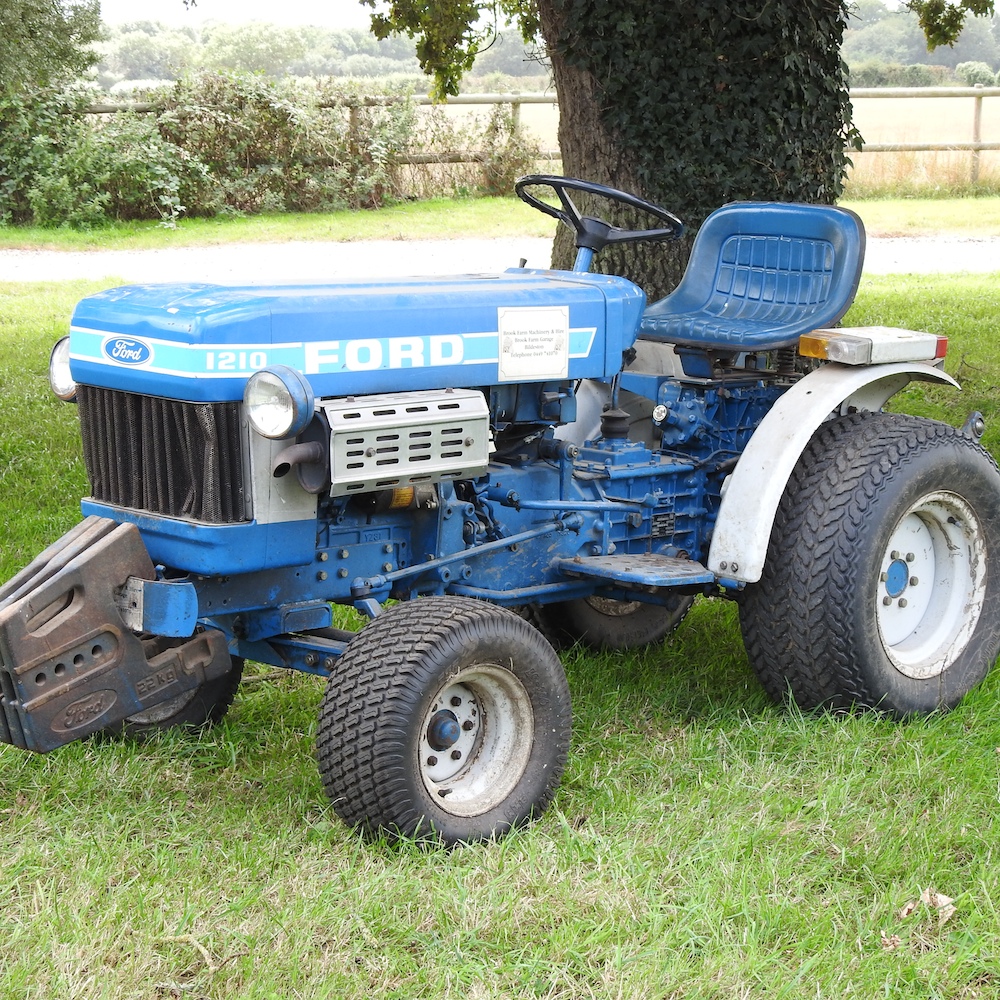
(882, 582)
(446, 719)
(203, 705)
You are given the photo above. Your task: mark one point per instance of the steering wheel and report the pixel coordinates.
(595, 234)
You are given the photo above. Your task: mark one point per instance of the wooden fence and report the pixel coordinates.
(975, 145)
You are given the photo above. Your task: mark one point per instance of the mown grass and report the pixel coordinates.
(435, 218)
(462, 218)
(704, 843)
(960, 217)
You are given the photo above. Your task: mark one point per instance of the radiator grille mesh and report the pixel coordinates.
(163, 456)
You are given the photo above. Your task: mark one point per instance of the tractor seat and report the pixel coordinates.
(761, 274)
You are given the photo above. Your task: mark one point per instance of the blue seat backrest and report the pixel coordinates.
(760, 275)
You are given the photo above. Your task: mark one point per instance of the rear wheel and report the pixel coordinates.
(602, 624)
(445, 719)
(882, 582)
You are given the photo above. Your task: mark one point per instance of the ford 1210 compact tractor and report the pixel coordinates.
(512, 460)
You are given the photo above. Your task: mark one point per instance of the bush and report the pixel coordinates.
(972, 73)
(374, 136)
(509, 151)
(879, 74)
(239, 143)
(119, 169)
(59, 167)
(33, 132)
(272, 147)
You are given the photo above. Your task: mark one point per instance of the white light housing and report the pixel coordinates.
(59, 377)
(872, 345)
(279, 402)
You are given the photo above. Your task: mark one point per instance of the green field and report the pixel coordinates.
(462, 218)
(916, 120)
(705, 843)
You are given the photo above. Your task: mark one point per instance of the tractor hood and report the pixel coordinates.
(201, 342)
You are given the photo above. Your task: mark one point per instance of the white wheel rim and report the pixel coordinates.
(932, 583)
(476, 739)
(163, 711)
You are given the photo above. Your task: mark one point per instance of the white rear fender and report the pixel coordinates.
(754, 490)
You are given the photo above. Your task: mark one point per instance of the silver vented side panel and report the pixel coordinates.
(401, 439)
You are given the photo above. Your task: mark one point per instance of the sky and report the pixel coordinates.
(328, 13)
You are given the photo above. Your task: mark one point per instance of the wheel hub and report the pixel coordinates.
(473, 748)
(444, 730)
(931, 585)
(897, 578)
(452, 731)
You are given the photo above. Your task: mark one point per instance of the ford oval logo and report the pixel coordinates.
(127, 350)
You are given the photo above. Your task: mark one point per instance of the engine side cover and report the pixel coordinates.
(201, 342)
(403, 439)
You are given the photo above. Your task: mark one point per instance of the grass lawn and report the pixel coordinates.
(459, 218)
(439, 218)
(704, 844)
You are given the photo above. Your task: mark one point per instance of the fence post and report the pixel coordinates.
(977, 130)
(515, 111)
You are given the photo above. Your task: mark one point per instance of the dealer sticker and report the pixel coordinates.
(534, 342)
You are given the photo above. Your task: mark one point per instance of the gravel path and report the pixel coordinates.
(264, 262)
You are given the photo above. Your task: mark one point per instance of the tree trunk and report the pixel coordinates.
(694, 105)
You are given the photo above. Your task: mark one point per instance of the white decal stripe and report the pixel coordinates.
(177, 344)
(203, 349)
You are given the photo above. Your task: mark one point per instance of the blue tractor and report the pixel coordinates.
(487, 466)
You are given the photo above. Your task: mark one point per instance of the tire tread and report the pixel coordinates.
(792, 636)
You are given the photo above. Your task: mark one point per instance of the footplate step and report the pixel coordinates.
(647, 570)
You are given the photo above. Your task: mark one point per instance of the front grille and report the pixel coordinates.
(163, 456)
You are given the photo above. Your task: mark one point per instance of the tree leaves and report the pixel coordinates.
(46, 41)
(449, 34)
(942, 20)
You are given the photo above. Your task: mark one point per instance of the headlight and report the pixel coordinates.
(59, 377)
(279, 402)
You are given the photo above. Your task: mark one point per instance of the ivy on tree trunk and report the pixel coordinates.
(695, 105)
(689, 103)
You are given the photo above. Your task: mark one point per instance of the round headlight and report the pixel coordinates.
(279, 402)
(59, 377)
